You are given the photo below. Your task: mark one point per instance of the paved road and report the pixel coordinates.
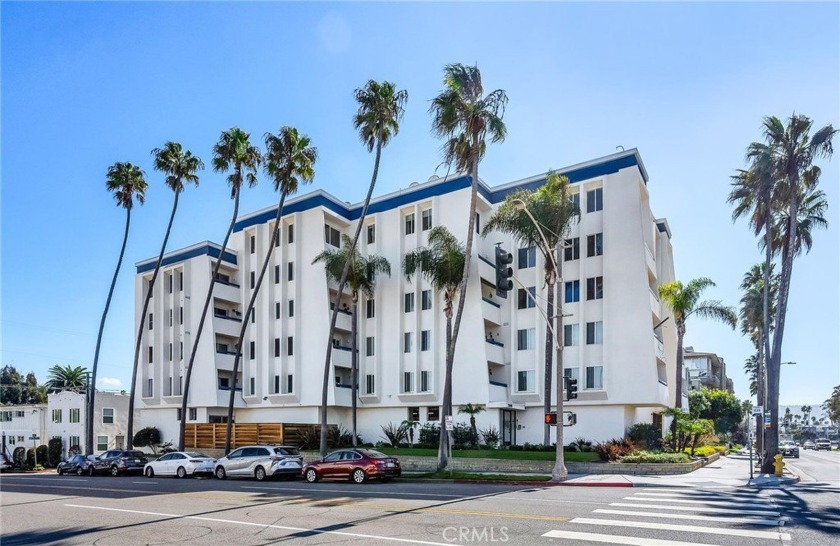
(48, 509)
(817, 466)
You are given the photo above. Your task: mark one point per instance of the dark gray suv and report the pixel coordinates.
(123, 461)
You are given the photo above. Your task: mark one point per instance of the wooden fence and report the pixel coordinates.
(212, 435)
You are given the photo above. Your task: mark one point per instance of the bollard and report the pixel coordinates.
(778, 464)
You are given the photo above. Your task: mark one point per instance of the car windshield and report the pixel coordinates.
(373, 454)
(286, 451)
(194, 455)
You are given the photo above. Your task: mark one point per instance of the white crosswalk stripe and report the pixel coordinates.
(774, 535)
(692, 517)
(699, 509)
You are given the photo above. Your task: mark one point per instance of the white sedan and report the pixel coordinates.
(180, 464)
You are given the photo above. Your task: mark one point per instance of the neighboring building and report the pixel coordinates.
(705, 370)
(617, 257)
(18, 423)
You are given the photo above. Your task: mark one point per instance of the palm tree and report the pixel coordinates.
(540, 219)
(381, 108)
(62, 378)
(128, 183)
(472, 410)
(465, 118)
(751, 369)
(788, 418)
(289, 161)
(361, 278)
(806, 412)
(233, 152)
(179, 166)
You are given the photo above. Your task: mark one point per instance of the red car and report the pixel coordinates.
(357, 465)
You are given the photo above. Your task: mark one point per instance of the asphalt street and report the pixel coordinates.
(127, 511)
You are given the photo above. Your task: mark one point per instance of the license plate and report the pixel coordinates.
(389, 465)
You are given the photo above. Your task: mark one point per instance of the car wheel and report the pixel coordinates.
(115, 471)
(80, 471)
(150, 472)
(311, 475)
(220, 473)
(60, 471)
(358, 476)
(259, 473)
(182, 472)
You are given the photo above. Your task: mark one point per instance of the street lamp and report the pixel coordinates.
(559, 473)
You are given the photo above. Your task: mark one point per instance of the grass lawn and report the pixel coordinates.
(570, 456)
(472, 476)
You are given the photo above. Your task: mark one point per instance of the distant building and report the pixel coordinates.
(705, 370)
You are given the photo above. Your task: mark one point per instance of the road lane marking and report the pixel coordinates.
(613, 539)
(350, 492)
(146, 491)
(773, 535)
(147, 483)
(695, 509)
(694, 517)
(711, 503)
(734, 496)
(262, 525)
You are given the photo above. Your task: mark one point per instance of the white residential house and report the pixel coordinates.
(618, 255)
(18, 423)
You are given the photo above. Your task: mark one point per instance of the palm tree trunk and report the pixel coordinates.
(91, 387)
(197, 337)
(678, 382)
(761, 395)
(354, 363)
(549, 346)
(443, 444)
(559, 472)
(246, 317)
(130, 439)
(341, 284)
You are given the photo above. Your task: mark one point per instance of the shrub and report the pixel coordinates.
(429, 435)
(30, 458)
(43, 454)
(463, 436)
(582, 445)
(74, 450)
(645, 435)
(703, 451)
(19, 456)
(654, 457)
(491, 436)
(309, 437)
(613, 450)
(147, 437)
(395, 433)
(54, 449)
(339, 437)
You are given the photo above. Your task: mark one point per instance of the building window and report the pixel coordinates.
(253, 244)
(594, 333)
(252, 383)
(371, 234)
(180, 280)
(74, 442)
(291, 308)
(408, 381)
(425, 340)
(525, 381)
(370, 309)
(151, 321)
(290, 346)
(290, 383)
(370, 344)
(169, 386)
(224, 383)
(426, 219)
(527, 257)
(180, 384)
(276, 384)
(151, 354)
(370, 383)
(252, 350)
(290, 273)
(20, 414)
(426, 300)
(594, 245)
(332, 236)
(170, 317)
(101, 443)
(425, 381)
(594, 377)
(277, 308)
(407, 342)
(477, 223)
(571, 335)
(433, 413)
(571, 249)
(409, 223)
(276, 274)
(526, 339)
(181, 315)
(5, 416)
(575, 199)
(193, 414)
(253, 279)
(150, 387)
(276, 346)
(177, 414)
(572, 373)
(75, 415)
(595, 200)
(408, 305)
(290, 230)
(413, 413)
(56, 416)
(527, 298)
(170, 281)
(594, 288)
(170, 352)
(181, 350)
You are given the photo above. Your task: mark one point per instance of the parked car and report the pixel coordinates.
(180, 464)
(123, 461)
(823, 443)
(809, 445)
(789, 448)
(82, 464)
(260, 462)
(357, 465)
(5, 463)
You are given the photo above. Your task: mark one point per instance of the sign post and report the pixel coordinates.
(34, 439)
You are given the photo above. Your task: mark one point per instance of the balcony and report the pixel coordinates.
(650, 261)
(655, 306)
(343, 395)
(491, 311)
(495, 352)
(223, 398)
(226, 290)
(658, 348)
(487, 269)
(341, 356)
(224, 360)
(343, 321)
(498, 392)
(226, 325)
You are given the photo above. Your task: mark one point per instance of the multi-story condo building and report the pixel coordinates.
(616, 257)
(705, 370)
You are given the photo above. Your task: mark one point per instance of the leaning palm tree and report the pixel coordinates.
(751, 369)
(472, 410)
(361, 278)
(541, 219)
(683, 302)
(465, 118)
(63, 378)
(233, 152)
(290, 162)
(128, 183)
(179, 166)
(381, 107)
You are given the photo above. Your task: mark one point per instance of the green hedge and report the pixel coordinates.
(648, 457)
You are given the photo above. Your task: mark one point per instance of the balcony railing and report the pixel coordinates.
(491, 302)
(227, 317)
(498, 384)
(494, 342)
(228, 283)
(485, 260)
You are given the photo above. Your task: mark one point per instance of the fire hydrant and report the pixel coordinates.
(779, 464)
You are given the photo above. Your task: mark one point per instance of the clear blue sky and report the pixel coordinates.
(88, 84)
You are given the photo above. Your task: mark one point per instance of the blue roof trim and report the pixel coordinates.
(183, 256)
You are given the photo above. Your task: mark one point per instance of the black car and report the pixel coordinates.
(82, 464)
(124, 461)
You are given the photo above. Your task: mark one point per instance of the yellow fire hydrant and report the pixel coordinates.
(779, 464)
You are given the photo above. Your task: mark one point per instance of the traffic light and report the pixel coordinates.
(551, 418)
(571, 388)
(503, 272)
(569, 419)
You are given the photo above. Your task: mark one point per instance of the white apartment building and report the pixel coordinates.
(18, 423)
(619, 253)
(705, 370)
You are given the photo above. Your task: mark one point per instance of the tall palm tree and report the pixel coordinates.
(789, 150)
(61, 378)
(683, 300)
(179, 166)
(540, 219)
(381, 108)
(290, 162)
(472, 410)
(361, 278)
(806, 412)
(128, 183)
(751, 369)
(233, 152)
(465, 118)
